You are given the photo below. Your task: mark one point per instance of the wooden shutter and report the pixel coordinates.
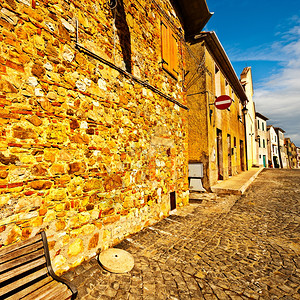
(173, 53)
(165, 45)
(169, 49)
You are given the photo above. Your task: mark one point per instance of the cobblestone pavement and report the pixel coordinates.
(230, 247)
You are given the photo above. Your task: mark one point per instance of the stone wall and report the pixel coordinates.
(87, 153)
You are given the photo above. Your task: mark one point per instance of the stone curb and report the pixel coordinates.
(237, 191)
(248, 183)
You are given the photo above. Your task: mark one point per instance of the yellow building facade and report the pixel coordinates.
(216, 137)
(294, 164)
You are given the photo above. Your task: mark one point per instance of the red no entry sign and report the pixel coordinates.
(223, 102)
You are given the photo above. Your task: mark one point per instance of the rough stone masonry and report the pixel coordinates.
(87, 153)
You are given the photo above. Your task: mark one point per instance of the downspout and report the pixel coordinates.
(245, 110)
(279, 149)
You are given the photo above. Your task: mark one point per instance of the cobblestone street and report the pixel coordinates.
(219, 247)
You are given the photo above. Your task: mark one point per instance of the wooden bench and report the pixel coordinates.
(26, 272)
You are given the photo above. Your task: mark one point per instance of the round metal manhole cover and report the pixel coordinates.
(116, 260)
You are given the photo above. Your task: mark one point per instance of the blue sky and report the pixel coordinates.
(264, 35)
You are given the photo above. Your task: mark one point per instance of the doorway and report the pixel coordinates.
(276, 162)
(172, 200)
(220, 154)
(229, 155)
(242, 155)
(264, 161)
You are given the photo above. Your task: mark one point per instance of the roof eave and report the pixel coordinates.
(193, 14)
(261, 116)
(279, 129)
(223, 62)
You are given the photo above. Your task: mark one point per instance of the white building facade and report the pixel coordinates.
(262, 139)
(281, 149)
(251, 132)
(273, 153)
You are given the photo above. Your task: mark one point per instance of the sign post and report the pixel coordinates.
(223, 102)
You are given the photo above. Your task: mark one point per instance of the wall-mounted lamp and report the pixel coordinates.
(112, 4)
(245, 110)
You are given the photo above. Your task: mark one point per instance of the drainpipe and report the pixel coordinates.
(279, 149)
(245, 110)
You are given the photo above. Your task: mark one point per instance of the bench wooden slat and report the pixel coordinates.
(58, 291)
(18, 283)
(26, 272)
(19, 245)
(42, 291)
(30, 289)
(46, 291)
(21, 260)
(20, 252)
(22, 269)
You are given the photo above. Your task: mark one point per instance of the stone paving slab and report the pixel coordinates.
(219, 247)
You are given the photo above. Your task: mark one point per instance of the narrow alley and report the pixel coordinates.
(218, 247)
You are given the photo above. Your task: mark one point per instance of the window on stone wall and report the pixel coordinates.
(169, 49)
(227, 88)
(217, 82)
(263, 126)
(257, 124)
(264, 143)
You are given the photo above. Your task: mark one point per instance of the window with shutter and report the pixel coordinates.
(227, 88)
(169, 49)
(217, 82)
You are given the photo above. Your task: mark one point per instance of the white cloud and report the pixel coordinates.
(279, 51)
(278, 97)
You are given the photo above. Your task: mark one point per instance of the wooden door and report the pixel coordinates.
(229, 155)
(220, 154)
